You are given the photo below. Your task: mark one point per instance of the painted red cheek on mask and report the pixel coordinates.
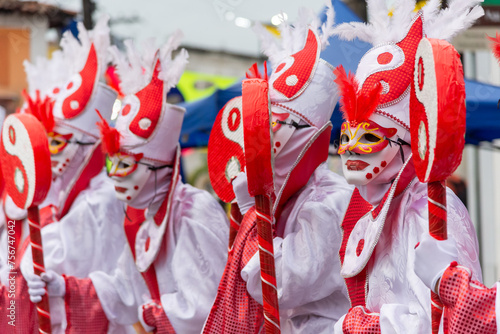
(278, 144)
(369, 176)
(67, 160)
(376, 170)
(129, 198)
(383, 164)
(136, 187)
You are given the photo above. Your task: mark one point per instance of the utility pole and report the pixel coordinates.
(88, 10)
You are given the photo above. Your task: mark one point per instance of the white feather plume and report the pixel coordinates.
(438, 23)
(294, 37)
(378, 14)
(268, 44)
(431, 8)
(136, 68)
(77, 49)
(327, 26)
(172, 69)
(402, 16)
(47, 74)
(457, 17)
(352, 30)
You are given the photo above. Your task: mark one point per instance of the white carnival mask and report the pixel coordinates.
(367, 150)
(63, 145)
(129, 175)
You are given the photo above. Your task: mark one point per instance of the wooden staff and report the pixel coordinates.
(26, 168)
(259, 160)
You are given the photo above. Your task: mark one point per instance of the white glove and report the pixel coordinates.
(432, 257)
(240, 188)
(142, 316)
(55, 283)
(13, 211)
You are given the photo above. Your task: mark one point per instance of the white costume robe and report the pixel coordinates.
(394, 290)
(312, 294)
(188, 267)
(89, 237)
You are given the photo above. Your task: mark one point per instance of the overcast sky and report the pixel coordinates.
(219, 25)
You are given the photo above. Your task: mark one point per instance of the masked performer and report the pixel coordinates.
(177, 235)
(81, 217)
(309, 200)
(470, 307)
(388, 210)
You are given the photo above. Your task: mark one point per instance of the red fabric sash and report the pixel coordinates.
(357, 285)
(133, 220)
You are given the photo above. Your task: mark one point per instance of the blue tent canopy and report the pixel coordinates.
(483, 116)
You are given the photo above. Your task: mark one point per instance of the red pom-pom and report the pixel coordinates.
(495, 45)
(41, 109)
(110, 137)
(355, 106)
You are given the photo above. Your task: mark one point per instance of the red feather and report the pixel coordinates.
(348, 86)
(355, 107)
(110, 137)
(495, 45)
(41, 109)
(367, 103)
(113, 80)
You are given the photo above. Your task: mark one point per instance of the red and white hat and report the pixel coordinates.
(147, 124)
(385, 72)
(301, 82)
(82, 93)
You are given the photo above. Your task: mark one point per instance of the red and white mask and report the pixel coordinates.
(132, 175)
(302, 90)
(63, 145)
(370, 152)
(142, 147)
(375, 107)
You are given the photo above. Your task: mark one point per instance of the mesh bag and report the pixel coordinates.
(234, 310)
(360, 321)
(155, 316)
(470, 306)
(83, 309)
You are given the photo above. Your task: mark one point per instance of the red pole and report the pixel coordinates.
(267, 272)
(234, 223)
(39, 268)
(436, 192)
